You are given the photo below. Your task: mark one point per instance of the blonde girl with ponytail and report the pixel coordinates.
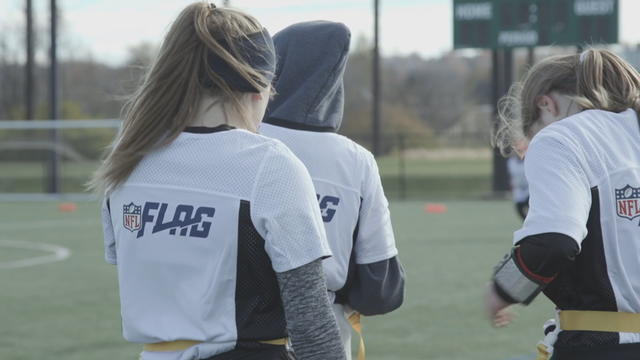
(214, 229)
(564, 85)
(580, 241)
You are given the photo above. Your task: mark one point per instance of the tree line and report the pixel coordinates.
(426, 100)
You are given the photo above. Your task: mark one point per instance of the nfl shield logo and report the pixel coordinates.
(131, 217)
(628, 202)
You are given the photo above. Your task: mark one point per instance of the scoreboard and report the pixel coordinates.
(527, 23)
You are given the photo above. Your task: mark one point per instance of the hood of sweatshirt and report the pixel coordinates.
(311, 59)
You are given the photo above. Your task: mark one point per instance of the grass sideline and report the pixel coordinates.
(70, 309)
(447, 178)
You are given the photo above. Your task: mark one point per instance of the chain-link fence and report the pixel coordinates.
(438, 167)
(41, 157)
(51, 157)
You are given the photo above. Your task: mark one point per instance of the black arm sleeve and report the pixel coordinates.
(547, 254)
(311, 323)
(377, 288)
(540, 258)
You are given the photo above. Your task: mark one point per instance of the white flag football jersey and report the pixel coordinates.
(198, 230)
(584, 179)
(350, 195)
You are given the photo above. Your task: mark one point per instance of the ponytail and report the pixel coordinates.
(168, 99)
(606, 82)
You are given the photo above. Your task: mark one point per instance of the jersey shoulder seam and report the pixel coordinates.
(270, 149)
(175, 187)
(336, 184)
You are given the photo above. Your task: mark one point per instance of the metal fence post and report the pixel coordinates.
(53, 173)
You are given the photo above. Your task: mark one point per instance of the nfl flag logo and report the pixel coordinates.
(628, 202)
(131, 214)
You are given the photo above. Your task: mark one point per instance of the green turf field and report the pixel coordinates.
(69, 309)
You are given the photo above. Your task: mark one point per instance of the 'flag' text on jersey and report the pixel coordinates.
(186, 218)
(328, 205)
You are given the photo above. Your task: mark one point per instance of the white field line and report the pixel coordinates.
(56, 253)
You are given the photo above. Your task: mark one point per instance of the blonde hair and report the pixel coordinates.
(595, 79)
(168, 98)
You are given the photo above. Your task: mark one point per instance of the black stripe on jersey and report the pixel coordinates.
(208, 130)
(610, 352)
(259, 310)
(374, 288)
(585, 285)
(342, 295)
(298, 126)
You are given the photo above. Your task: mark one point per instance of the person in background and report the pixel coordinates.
(214, 229)
(580, 241)
(519, 184)
(364, 276)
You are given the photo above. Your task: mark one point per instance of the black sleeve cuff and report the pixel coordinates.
(545, 255)
(378, 288)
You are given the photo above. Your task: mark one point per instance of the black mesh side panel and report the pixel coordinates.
(585, 285)
(610, 352)
(342, 295)
(259, 310)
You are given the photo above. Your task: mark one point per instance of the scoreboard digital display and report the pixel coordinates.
(526, 23)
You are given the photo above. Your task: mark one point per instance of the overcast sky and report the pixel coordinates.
(107, 28)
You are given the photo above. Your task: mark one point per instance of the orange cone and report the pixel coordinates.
(434, 208)
(67, 207)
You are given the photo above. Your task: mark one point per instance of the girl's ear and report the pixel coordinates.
(547, 104)
(256, 96)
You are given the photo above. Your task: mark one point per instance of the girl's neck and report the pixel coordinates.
(212, 112)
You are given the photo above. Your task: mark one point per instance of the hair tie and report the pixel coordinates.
(583, 55)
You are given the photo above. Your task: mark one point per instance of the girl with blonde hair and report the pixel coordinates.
(215, 230)
(580, 241)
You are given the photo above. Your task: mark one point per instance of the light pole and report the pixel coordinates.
(376, 79)
(29, 65)
(53, 185)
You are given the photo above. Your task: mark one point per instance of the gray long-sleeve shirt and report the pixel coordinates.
(311, 323)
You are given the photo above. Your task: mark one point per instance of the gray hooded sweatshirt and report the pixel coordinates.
(364, 272)
(311, 60)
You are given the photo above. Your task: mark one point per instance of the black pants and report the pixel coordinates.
(612, 352)
(256, 352)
